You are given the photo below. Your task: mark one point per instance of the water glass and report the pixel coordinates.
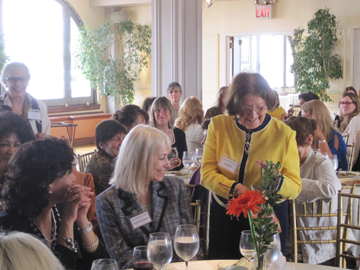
(187, 160)
(272, 254)
(186, 242)
(334, 161)
(198, 155)
(140, 259)
(104, 264)
(159, 249)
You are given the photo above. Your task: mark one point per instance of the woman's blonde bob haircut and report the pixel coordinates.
(248, 83)
(190, 112)
(22, 251)
(318, 111)
(136, 159)
(162, 103)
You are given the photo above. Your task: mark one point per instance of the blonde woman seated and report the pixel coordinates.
(139, 187)
(319, 183)
(277, 111)
(22, 251)
(189, 120)
(327, 137)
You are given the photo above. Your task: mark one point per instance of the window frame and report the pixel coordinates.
(68, 13)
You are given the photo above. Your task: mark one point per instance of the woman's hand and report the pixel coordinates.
(240, 189)
(174, 162)
(262, 164)
(77, 204)
(40, 135)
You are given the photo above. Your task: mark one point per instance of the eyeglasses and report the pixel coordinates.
(346, 103)
(15, 79)
(259, 109)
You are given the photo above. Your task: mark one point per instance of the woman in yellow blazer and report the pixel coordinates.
(236, 146)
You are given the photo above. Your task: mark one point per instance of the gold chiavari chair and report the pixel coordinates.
(346, 138)
(345, 225)
(318, 212)
(350, 161)
(197, 214)
(83, 160)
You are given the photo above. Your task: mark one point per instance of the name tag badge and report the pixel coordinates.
(228, 164)
(34, 115)
(140, 220)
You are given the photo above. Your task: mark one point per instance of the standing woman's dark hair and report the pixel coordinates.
(131, 115)
(221, 98)
(34, 167)
(248, 83)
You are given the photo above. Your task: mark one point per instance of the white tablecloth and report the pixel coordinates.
(212, 264)
(285, 101)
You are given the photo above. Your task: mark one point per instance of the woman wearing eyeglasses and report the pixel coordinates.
(350, 107)
(15, 78)
(237, 145)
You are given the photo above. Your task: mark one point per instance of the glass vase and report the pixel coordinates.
(259, 261)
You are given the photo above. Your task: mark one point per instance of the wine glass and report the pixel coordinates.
(186, 242)
(187, 161)
(159, 249)
(247, 249)
(198, 155)
(140, 260)
(334, 160)
(104, 264)
(272, 254)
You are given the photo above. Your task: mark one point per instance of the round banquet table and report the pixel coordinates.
(212, 265)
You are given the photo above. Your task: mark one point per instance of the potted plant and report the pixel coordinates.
(113, 56)
(314, 60)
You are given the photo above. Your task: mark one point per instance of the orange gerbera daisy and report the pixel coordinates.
(244, 203)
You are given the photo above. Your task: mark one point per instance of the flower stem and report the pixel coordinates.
(253, 233)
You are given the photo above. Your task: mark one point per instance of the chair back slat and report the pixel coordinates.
(83, 160)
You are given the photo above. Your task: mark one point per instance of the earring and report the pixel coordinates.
(49, 190)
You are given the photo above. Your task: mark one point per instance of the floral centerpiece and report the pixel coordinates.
(257, 204)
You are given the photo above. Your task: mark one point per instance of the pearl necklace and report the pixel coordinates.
(53, 228)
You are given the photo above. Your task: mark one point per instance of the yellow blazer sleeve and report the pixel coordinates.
(210, 177)
(291, 186)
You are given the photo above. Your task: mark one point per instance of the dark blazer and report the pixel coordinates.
(170, 207)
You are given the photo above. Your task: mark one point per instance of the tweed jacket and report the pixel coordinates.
(114, 207)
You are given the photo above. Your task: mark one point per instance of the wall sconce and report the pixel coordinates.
(209, 3)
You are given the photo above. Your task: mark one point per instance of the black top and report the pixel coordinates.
(81, 260)
(180, 145)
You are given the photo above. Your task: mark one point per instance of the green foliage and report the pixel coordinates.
(3, 56)
(314, 61)
(262, 226)
(114, 75)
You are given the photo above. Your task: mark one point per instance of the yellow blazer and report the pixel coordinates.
(225, 143)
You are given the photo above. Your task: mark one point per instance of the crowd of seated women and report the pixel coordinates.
(42, 197)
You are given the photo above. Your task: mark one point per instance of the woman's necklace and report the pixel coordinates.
(53, 228)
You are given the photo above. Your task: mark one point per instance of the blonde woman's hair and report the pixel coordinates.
(162, 103)
(318, 111)
(190, 112)
(22, 251)
(136, 159)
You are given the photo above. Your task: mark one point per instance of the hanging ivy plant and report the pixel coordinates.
(110, 75)
(314, 61)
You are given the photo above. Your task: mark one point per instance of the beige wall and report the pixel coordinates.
(92, 16)
(227, 18)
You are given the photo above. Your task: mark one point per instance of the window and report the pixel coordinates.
(43, 34)
(270, 55)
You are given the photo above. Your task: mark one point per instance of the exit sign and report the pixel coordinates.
(264, 11)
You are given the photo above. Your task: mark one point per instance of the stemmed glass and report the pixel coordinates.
(159, 249)
(186, 242)
(334, 161)
(104, 264)
(187, 161)
(272, 254)
(247, 249)
(140, 260)
(198, 155)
